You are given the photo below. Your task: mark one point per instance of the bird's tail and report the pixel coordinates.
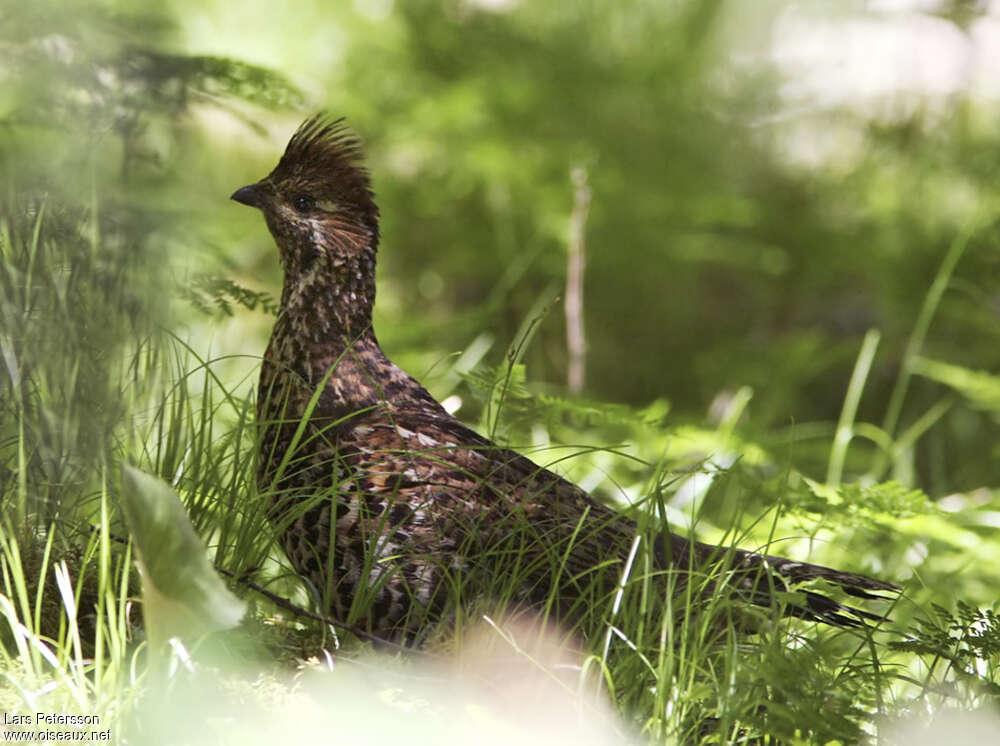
(818, 607)
(763, 579)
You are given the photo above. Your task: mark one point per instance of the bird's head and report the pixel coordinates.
(318, 203)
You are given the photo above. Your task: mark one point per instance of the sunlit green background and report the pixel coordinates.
(770, 182)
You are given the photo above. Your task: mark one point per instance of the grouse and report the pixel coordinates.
(385, 502)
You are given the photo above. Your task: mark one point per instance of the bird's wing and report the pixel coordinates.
(430, 459)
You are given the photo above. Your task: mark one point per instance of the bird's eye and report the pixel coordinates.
(303, 203)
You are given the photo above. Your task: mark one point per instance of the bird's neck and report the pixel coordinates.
(329, 301)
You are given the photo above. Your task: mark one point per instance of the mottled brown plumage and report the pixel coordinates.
(358, 457)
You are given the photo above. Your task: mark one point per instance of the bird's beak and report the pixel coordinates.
(252, 195)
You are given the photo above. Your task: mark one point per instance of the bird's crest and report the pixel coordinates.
(325, 153)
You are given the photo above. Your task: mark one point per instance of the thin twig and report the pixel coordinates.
(576, 342)
(284, 603)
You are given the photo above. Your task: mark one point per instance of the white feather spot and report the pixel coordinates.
(427, 440)
(452, 404)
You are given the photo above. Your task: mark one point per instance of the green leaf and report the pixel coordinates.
(982, 389)
(182, 594)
